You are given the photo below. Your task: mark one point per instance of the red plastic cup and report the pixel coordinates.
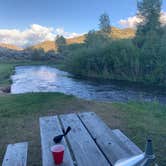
(58, 153)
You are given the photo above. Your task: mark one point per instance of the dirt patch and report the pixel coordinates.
(5, 90)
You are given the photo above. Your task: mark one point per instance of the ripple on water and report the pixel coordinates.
(48, 79)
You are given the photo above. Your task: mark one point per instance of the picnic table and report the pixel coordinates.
(89, 143)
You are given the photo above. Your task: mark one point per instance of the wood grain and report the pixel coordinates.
(135, 150)
(16, 155)
(105, 138)
(84, 148)
(49, 128)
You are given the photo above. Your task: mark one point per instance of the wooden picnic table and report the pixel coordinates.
(89, 143)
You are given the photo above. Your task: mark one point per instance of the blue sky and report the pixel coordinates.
(78, 16)
(73, 15)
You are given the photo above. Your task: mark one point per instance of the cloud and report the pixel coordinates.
(163, 18)
(60, 31)
(132, 22)
(32, 35)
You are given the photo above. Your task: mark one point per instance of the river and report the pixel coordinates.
(49, 79)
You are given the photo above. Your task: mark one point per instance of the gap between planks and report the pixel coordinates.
(82, 142)
(68, 143)
(94, 139)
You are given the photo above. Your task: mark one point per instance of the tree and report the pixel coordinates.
(149, 13)
(96, 39)
(90, 38)
(38, 54)
(60, 41)
(105, 23)
(148, 37)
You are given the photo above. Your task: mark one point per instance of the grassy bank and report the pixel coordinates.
(7, 69)
(5, 73)
(19, 116)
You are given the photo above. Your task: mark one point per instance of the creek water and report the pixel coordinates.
(49, 79)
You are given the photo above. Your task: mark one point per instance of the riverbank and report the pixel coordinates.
(19, 115)
(7, 69)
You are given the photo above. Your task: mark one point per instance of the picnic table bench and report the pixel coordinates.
(90, 141)
(16, 154)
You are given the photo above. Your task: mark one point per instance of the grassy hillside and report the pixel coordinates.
(116, 33)
(126, 33)
(50, 45)
(10, 46)
(46, 45)
(79, 39)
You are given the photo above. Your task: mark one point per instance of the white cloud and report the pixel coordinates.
(163, 18)
(32, 35)
(132, 22)
(61, 31)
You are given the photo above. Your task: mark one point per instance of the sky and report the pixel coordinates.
(26, 22)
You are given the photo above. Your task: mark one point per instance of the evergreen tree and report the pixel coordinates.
(105, 23)
(149, 12)
(148, 36)
(60, 42)
(90, 39)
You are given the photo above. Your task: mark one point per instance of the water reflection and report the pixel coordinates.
(49, 79)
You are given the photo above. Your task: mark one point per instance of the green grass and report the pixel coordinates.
(5, 73)
(19, 115)
(7, 69)
(25, 104)
(146, 120)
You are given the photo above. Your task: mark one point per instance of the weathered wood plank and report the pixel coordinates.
(84, 148)
(16, 155)
(105, 138)
(135, 150)
(49, 128)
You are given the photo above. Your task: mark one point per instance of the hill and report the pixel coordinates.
(10, 46)
(79, 39)
(126, 33)
(50, 45)
(116, 33)
(46, 45)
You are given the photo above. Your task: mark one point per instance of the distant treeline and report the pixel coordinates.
(141, 59)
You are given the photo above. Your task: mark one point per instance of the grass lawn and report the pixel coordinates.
(5, 73)
(19, 115)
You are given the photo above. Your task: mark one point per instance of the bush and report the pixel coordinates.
(116, 59)
(38, 54)
(122, 59)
